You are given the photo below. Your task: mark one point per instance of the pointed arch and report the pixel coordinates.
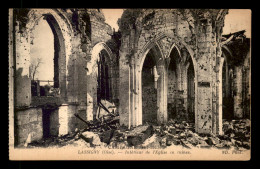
(93, 77)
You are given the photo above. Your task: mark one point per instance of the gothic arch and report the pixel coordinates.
(94, 54)
(92, 77)
(190, 54)
(62, 26)
(141, 55)
(62, 31)
(148, 45)
(161, 69)
(172, 47)
(226, 90)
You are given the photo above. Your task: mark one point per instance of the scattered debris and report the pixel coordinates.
(105, 122)
(91, 138)
(139, 134)
(106, 136)
(236, 135)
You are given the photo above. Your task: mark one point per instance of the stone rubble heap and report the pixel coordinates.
(236, 135)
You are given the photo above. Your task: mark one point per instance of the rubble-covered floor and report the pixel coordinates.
(181, 134)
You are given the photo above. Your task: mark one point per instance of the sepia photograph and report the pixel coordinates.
(129, 84)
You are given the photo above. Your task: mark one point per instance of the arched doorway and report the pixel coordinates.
(153, 87)
(191, 93)
(48, 73)
(43, 64)
(47, 107)
(99, 86)
(103, 77)
(42, 57)
(149, 89)
(227, 94)
(162, 58)
(181, 87)
(48, 58)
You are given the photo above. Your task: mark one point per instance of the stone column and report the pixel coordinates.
(11, 78)
(209, 30)
(112, 80)
(132, 103)
(219, 104)
(22, 64)
(162, 115)
(124, 82)
(156, 76)
(138, 97)
(179, 76)
(66, 118)
(92, 75)
(238, 107)
(204, 72)
(63, 120)
(185, 88)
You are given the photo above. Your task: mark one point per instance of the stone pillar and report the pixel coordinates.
(66, 118)
(219, 104)
(209, 30)
(156, 76)
(179, 76)
(89, 110)
(185, 88)
(92, 77)
(132, 112)
(204, 72)
(112, 80)
(91, 96)
(124, 82)
(129, 86)
(138, 97)
(11, 78)
(63, 120)
(162, 115)
(22, 75)
(81, 80)
(238, 106)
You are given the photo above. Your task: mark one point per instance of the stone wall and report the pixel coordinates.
(172, 88)
(197, 32)
(247, 86)
(149, 96)
(101, 32)
(28, 125)
(76, 31)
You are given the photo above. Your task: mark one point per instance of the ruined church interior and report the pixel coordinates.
(166, 77)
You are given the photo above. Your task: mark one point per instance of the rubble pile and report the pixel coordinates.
(236, 135)
(53, 141)
(237, 132)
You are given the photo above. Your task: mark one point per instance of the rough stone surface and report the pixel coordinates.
(28, 123)
(139, 135)
(91, 138)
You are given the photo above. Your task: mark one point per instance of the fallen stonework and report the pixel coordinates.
(236, 136)
(139, 134)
